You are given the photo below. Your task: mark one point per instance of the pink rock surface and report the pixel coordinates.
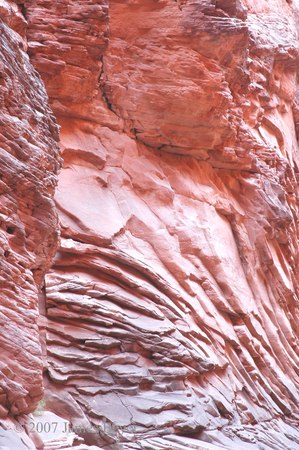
(172, 304)
(28, 221)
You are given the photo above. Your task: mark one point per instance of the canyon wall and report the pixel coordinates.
(29, 161)
(171, 307)
(29, 228)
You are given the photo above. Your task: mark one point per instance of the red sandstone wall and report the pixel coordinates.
(172, 304)
(28, 221)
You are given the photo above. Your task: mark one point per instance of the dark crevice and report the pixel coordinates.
(23, 11)
(106, 100)
(42, 301)
(10, 230)
(102, 88)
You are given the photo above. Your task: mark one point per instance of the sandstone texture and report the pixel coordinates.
(28, 221)
(171, 308)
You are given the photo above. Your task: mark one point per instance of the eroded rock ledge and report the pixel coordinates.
(171, 307)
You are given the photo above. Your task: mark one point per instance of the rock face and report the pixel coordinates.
(28, 220)
(171, 306)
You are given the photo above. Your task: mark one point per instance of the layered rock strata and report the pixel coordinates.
(172, 308)
(28, 221)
